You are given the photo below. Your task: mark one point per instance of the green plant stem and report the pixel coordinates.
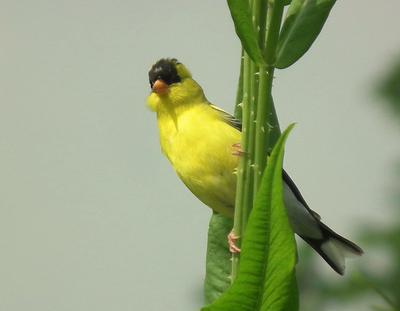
(260, 139)
(242, 167)
(258, 114)
(267, 126)
(262, 22)
(266, 121)
(254, 71)
(239, 93)
(274, 19)
(244, 198)
(248, 186)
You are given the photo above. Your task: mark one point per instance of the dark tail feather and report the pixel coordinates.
(333, 248)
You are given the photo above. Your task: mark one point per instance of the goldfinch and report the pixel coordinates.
(197, 138)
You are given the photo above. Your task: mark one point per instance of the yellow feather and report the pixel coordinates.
(197, 138)
(197, 142)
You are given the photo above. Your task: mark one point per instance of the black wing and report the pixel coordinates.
(228, 118)
(292, 186)
(237, 124)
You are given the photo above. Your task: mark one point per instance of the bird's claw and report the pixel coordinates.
(237, 150)
(232, 239)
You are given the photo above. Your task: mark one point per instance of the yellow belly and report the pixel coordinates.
(199, 146)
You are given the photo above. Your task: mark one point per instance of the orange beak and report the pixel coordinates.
(160, 87)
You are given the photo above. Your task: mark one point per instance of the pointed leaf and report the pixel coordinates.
(218, 262)
(303, 23)
(266, 277)
(241, 15)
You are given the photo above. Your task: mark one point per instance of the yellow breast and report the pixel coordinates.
(199, 146)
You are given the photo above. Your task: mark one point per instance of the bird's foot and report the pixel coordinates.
(237, 150)
(232, 239)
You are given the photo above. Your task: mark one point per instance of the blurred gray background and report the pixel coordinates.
(92, 217)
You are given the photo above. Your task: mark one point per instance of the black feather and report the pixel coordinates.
(165, 70)
(327, 233)
(228, 118)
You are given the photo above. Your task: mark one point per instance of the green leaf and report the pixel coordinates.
(303, 23)
(266, 279)
(218, 262)
(241, 15)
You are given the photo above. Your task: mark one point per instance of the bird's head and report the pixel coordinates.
(171, 85)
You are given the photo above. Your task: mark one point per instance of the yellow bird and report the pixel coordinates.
(199, 140)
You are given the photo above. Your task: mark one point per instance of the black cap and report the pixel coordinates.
(165, 70)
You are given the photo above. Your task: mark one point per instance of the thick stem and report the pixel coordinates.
(248, 187)
(266, 122)
(242, 167)
(260, 139)
(257, 112)
(239, 93)
(244, 197)
(274, 19)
